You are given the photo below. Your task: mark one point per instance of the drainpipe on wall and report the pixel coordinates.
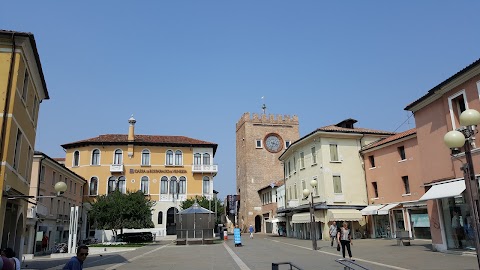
(7, 101)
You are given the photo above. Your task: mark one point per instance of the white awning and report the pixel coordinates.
(445, 190)
(371, 209)
(305, 217)
(386, 209)
(344, 214)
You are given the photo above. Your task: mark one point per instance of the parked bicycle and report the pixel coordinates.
(60, 248)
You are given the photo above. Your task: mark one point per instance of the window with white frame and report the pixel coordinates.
(178, 158)
(42, 174)
(164, 185)
(111, 184)
(160, 217)
(76, 158)
(96, 157)
(337, 184)
(295, 191)
(302, 160)
(287, 144)
(314, 155)
(173, 185)
(122, 184)
(28, 168)
(144, 185)
(18, 144)
(145, 157)
(294, 164)
(334, 152)
(93, 186)
(169, 158)
(197, 159)
(34, 107)
(206, 159)
(457, 104)
(118, 157)
(206, 185)
(258, 143)
(26, 78)
(182, 185)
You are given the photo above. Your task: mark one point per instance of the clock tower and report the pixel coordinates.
(260, 140)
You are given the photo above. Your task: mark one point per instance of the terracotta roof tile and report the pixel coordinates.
(334, 128)
(390, 139)
(111, 139)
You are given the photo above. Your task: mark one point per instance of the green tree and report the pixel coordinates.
(117, 211)
(207, 204)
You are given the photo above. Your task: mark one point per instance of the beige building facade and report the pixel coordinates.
(22, 89)
(169, 169)
(260, 139)
(48, 215)
(329, 155)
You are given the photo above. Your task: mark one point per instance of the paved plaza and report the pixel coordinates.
(260, 252)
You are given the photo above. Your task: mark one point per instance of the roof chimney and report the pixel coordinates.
(131, 129)
(347, 123)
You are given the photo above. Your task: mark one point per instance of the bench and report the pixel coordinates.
(403, 238)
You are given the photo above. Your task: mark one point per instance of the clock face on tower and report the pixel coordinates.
(273, 143)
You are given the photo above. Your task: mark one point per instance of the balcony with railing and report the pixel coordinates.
(116, 168)
(199, 168)
(173, 197)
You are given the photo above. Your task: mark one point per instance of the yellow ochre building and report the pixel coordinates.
(169, 169)
(22, 89)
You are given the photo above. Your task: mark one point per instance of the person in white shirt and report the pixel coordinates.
(333, 232)
(344, 238)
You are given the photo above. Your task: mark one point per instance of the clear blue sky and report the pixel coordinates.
(193, 68)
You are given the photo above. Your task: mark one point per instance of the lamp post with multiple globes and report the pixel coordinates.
(307, 193)
(465, 137)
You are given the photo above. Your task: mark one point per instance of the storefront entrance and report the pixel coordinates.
(458, 223)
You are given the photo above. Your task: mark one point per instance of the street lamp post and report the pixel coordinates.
(465, 136)
(307, 193)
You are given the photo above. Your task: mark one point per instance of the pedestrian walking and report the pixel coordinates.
(76, 262)
(6, 263)
(251, 230)
(344, 238)
(9, 253)
(333, 233)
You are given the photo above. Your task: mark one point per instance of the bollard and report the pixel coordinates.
(225, 235)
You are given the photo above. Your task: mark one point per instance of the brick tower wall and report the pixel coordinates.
(258, 168)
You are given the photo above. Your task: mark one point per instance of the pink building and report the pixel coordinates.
(394, 187)
(436, 113)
